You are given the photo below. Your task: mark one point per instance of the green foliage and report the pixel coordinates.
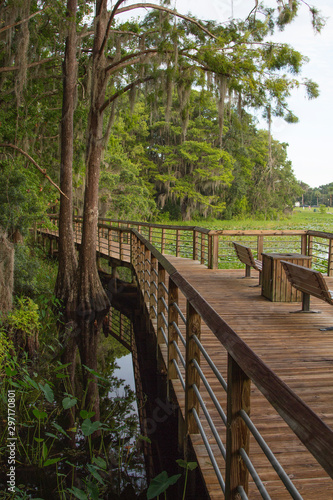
(34, 275)
(160, 484)
(25, 316)
(21, 202)
(6, 350)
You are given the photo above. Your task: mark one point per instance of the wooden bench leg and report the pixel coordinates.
(305, 302)
(305, 305)
(247, 271)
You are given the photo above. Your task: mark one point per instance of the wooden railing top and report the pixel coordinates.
(231, 232)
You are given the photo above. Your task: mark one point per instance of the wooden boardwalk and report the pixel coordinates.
(294, 348)
(291, 345)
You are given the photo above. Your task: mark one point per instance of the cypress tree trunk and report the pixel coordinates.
(90, 293)
(67, 256)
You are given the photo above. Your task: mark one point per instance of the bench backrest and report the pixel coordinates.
(245, 254)
(307, 281)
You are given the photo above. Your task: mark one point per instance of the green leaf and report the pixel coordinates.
(39, 440)
(39, 414)
(160, 484)
(81, 495)
(14, 384)
(44, 451)
(86, 414)
(60, 429)
(93, 372)
(31, 382)
(48, 393)
(51, 461)
(94, 472)
(93, 490)
(51, 435)
(68, 403)
(187, 465)
(88, 427)
(10, 372)
(100, 462)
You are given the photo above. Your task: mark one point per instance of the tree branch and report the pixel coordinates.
(19, 22)
(165, 9)
(111, 18)
(123, 90)
(32, 65)
(43, 171)
(124, 61)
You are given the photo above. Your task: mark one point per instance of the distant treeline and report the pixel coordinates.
(322, 195)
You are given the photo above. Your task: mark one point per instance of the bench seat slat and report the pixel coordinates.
(308, 281)
(245, 255)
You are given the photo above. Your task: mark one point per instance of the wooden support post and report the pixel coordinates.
(109, 242)
(304, 244)
(172, 332)
(195, 245)
(238, 435)
(310, 245)
(121, 246)
(260, 247)
(202, 252)
(177, 242)
(305, 302)
(215, 251)
(163, 240)
(160, 304)
(193, 326)
(146, 275)
(330, 258)
(153, 280)
(140, 264)
(150, 237)
(210, 251)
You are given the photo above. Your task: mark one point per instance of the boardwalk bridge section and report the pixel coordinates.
(254, 383)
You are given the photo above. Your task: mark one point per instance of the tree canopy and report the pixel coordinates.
(142, 114)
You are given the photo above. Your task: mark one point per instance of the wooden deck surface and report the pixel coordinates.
(294, 348)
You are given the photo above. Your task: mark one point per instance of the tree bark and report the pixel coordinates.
(91, 295)
(67, 257)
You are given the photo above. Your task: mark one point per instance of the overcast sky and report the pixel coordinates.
(311, 139)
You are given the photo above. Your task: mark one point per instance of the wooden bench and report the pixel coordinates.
(245, 255)
(309, 282)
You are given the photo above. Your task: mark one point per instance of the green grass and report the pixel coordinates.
(300, 219)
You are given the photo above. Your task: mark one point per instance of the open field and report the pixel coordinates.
(300, 219)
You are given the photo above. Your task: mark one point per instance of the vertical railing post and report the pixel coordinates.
(330, 258)
(195, 245)
(160, 304)
(163, 240)
(177, 242)
(304, 244)
(152, 302)
(140, 264)
(310, 245)
(193, 327)
(146, 275)
(172, 331)
(260, 247)
(215, 251)
(238, 435)
(150, 237)
(121, 246)
(109, 241)
(202, 250)
(210, 251)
